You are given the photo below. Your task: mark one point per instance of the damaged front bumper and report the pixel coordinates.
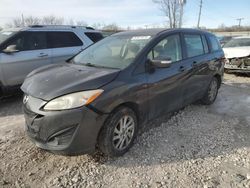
(241, 65)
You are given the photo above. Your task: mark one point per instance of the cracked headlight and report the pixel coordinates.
(73, 100)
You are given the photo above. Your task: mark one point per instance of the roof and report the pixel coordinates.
(153, 32)
(52, 27)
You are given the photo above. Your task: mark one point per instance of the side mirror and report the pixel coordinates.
(161, 63)
(11, 49)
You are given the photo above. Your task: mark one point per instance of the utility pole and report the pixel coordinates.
(239, 19)
(182, 3)
(22, 21)
(199, 18)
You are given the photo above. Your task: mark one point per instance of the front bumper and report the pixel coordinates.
(68, 132)
(235, 68)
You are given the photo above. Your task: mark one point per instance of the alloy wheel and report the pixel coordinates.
(123, 132)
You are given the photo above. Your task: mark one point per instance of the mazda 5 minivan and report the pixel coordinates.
(102, 96)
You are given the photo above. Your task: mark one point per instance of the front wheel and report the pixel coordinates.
(119, 132)
(211, 93)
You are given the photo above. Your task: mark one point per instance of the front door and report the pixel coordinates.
(165, 85)
(30, 54)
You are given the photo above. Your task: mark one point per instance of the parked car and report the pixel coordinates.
(237, 53)
(108, 91)
(224, 39)
(24, 49)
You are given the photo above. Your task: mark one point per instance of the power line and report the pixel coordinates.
(239, 19)
(199, 18)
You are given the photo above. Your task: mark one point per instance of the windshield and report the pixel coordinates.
(4, 35)
(112, 52)
(238, 42)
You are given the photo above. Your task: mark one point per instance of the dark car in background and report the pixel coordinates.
(103, 96)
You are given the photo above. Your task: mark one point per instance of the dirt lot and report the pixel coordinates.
(200, 146)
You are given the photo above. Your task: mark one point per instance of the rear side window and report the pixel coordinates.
(95, 37)
(215, 45)
(26, 41)
(205, 45)
(194, 45)
(63, 39)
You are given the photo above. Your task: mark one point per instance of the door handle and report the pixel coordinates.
(194, 64)
(182, 68)
(42, 55)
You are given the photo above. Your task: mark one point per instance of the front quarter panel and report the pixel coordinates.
(124, 89)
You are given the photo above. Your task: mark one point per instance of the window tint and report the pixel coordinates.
(215, 45)
(29, 41)
(205, 45)
(95, 37)
(63, 39)
(194, 45)
(170, 47)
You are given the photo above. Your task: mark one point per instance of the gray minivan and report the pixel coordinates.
(24, 49)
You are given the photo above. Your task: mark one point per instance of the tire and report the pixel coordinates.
(211, 92)
(113, 132)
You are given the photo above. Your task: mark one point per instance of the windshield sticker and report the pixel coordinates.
(140, 37)
(7, 33)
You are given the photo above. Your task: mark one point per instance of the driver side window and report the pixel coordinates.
(167, 49)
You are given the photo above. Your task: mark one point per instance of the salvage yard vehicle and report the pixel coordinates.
(237, 53)
(24, 49)
(103, 96)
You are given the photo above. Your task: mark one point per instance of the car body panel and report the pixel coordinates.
(57, 80)
(150, 91)
(16, 66)
(237, 52)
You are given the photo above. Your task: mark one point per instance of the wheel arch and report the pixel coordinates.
(219, 78)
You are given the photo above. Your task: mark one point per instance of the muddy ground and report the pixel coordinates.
(200, 146)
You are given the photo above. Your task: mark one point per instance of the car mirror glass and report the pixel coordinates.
(161, 63)
(11, 49)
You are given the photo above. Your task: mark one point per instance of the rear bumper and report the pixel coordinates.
(67, 132)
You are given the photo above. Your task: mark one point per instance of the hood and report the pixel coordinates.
(55, 80)
(237, 52)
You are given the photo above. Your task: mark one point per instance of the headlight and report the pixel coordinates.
(73, 100)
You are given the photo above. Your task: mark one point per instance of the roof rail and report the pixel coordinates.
(61, 26)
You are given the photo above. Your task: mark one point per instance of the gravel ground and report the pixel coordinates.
(199, 146)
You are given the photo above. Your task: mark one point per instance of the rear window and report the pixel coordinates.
(194, 45)
(215, 45)
(95, 37)
(63, 39)
(237, 42)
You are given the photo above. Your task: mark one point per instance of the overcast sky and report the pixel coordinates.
(133, 13)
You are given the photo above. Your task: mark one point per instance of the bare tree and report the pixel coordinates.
(52, 20)
(173, 10)
(30, 20)
(81, 23)
(113, 27)
(16, 22)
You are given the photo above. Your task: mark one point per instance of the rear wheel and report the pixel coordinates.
(119, 132)
(211, 93)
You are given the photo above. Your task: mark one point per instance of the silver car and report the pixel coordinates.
(24, 49)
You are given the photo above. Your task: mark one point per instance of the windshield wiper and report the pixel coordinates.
(90, 65)
(99, 66)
